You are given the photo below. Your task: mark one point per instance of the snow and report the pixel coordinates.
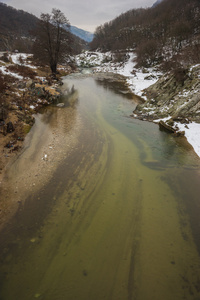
(16, 57)
(138, 80)
(6, 72)
(127, 69)
(164, 119)
(192, 133)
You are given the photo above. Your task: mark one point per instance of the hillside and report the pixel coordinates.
(156, 3)
(16, 27)
(169, 31)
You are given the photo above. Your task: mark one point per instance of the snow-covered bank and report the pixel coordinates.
(138, 80)
(22, 59)
(4, 71)
(192, 133)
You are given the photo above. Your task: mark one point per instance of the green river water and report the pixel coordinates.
(119, 220)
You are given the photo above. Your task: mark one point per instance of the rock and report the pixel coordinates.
(60, 104)
(30, 84)
(22, 85)
(185, 109)
(175, 94)
(180, 119)
(179, 133)
(166, 127)
(60, 82)
(10, 127)
(40, 92)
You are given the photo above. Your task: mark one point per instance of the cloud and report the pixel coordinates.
(87, 14)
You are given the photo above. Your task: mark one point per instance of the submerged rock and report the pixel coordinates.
(60, 105)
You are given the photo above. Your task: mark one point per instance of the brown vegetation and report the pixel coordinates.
(22, 71)
(16, 31)
(19, 99)
(167, 32)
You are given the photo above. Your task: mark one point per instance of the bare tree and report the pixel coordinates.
(52, 39)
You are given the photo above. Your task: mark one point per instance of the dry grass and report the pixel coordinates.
(22, 70)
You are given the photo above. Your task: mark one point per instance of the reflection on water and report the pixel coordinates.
(118, 220)
(117, 85)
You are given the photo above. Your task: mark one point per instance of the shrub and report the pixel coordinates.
(181, 74)
(5, 57)
(147, 53)
(3, 85)
(120, 56)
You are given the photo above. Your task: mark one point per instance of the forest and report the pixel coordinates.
(168, 33)
(17, 29)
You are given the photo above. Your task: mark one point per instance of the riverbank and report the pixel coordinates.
(25, 89)
(45, 147)
(119, 206)
(165, 96)
(23, 100)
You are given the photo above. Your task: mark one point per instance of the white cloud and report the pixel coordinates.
(87, 14)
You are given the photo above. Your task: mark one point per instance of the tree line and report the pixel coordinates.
(22, 31)
(169, 31)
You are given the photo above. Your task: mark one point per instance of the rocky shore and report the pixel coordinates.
(17, 120)
(46, 146)
(173, 99)
(24, 90)
(22, 97)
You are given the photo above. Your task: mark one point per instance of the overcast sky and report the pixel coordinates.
(85, 14)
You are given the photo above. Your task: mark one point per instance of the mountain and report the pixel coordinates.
(166, 32)
(84, 35)
(16, 27)
(156, 3)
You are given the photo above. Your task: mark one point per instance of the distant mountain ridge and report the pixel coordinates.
(16, 27)
(84, 35)
(156, 3)
(171, 26)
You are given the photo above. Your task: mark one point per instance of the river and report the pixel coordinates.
(119, 219)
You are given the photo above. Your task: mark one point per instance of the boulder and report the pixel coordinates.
(60, 105)
(22, 85)
(30, 84)
(10, 127)
(164, 126)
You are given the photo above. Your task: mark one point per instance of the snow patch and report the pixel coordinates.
(6, 72)
(21, 59)
(138, 80)
(192, 133)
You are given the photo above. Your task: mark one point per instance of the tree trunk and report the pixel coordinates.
(54, 68)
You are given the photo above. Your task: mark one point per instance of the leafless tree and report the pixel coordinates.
(52, 39)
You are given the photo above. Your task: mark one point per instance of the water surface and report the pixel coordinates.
(118, 220)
